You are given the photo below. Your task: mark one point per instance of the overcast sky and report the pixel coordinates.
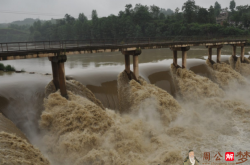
(10, 10)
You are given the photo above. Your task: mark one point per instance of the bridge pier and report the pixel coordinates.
(184, 55)
(242, 51)
(135, 54)
(218, 52)
(59, 80)
(127, 64)
(136, 66)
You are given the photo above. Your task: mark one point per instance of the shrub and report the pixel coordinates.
(10, 68)
(2, 66)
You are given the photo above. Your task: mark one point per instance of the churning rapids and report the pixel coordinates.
(113, 121)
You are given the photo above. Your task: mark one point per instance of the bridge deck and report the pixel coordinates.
(83, 46)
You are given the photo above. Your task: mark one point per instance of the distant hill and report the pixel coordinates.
(13, 35)
(12, 32)
(27, 21)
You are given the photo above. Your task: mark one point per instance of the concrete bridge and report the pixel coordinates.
(57, 52)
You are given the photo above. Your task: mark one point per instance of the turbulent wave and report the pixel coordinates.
(224, 75)
(16, 150)
(194, 87)
(140, 95)
(242, 68)
(212, 118)
(81, 132)
(15, 147)
(151, 126)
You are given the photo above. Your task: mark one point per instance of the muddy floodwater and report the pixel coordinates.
(110, 120)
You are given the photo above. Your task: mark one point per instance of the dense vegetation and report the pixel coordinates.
(143, 21)
(7, 67)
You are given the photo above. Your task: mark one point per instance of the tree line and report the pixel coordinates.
(146, 21)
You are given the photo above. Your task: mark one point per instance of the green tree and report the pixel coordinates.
(203, 16)
(189, 9)
(94, 15)
(82, 18)
(232, 5)
(211, 15)
(69, 19)
(166, 12)
(154, 11)
(128, 9)
(138, 32)
(137, 21)
(162, 16)
(37, 36)
(217, 8)
(141, 15)
(177, 10)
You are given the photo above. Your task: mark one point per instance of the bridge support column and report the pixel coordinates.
(136, 66)
(210, 48)
(55, 74)
(184, 59)
(210, 54)
(58, 71)
(127, 63)
(184, 55)
(242, 51)
(135, 53)
(175, 58)
(234, 50)
(218, 54)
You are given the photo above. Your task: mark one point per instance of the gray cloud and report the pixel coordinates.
(73, 7)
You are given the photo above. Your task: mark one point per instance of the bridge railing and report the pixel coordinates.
(50, 45)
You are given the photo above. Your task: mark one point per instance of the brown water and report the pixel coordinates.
(157, 129)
